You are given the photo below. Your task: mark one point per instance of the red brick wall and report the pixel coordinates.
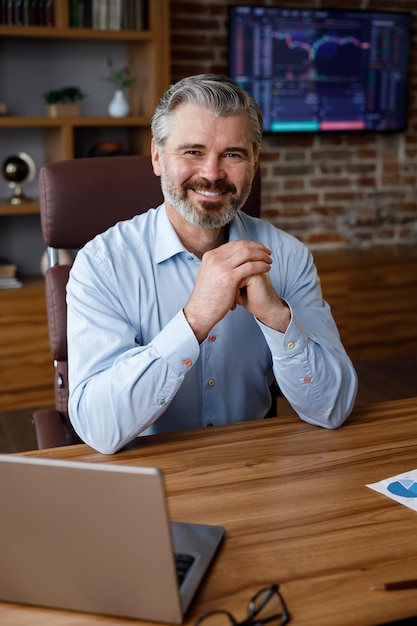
(330, 191)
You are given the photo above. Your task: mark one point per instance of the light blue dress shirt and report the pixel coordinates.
(136, 367)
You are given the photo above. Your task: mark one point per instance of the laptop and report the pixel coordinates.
(97, 538)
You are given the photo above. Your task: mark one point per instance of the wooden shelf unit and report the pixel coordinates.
(26, 378)
(148, 54)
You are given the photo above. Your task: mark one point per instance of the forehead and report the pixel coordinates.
(199, 125)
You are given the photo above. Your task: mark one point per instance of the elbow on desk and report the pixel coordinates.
(332, 421)
(109, 450)
(337, 414)
(102, 446)
(345, 400)
(102, 434)
(102, 442)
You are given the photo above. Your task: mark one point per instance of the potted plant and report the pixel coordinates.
(65, 101)
(122, 79)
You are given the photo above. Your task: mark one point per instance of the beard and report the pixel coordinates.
(213, 214)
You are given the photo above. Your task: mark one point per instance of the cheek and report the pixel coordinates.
(241, 179)
(181, 172)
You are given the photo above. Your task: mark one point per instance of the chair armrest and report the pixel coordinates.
(49, 428)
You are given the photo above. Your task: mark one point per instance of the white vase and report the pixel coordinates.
(119, 106)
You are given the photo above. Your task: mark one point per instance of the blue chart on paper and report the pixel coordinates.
(406, 488)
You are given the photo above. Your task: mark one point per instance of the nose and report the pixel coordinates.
(212, 168)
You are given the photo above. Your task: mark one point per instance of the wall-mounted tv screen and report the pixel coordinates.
(321, 70)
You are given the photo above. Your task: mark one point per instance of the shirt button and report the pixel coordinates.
(290, 344)
(307, 379)
(190, 257)
(212, 338)
(188, 362)
(211, 383)
(209, 424)
(162, 401)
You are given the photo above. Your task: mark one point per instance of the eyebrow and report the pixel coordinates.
(190, 146)
(200, 146)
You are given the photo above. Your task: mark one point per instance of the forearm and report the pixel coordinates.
(313, 370)
(113, 400)
(108, 413)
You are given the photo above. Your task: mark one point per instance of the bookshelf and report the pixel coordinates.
(32, 62)
(34, 59)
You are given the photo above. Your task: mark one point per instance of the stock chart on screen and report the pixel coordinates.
(316, 70)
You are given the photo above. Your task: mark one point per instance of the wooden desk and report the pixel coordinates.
(296, 510)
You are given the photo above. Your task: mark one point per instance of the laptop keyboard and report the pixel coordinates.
(183, 563)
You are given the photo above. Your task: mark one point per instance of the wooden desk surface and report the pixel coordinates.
(296, 510)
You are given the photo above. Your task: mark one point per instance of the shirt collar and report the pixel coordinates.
(237, 229)
(167, 243)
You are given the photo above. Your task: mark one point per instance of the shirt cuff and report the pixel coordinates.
(287, 344)
(177, 344)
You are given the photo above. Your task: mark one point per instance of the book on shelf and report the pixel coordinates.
(27, 12)
(113, 14)
(10, 283)
(95, 14)
(114, 21)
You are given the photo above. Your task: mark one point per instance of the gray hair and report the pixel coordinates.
(218, 93)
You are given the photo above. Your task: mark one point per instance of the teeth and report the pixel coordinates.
(208, 193)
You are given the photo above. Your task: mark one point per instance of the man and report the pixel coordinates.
(182, 316)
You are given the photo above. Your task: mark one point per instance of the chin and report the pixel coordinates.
(213, 220)
(208, 208)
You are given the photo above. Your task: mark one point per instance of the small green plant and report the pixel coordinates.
(121, 78)
(65, 95)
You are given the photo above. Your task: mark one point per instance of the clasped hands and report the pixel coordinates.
(235, 273)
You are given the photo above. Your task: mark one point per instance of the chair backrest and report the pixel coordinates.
(79, 199)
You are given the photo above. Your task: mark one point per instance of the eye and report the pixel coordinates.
(233, 155)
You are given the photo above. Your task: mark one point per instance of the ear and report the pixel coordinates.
(155, 158)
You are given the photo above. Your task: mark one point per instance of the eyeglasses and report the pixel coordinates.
(266, 607)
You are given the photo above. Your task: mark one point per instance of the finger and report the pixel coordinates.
(238, 252)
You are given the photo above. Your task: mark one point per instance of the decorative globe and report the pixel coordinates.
(19, 170)
(15, 169)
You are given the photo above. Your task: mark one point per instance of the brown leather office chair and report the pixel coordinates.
(79, 199)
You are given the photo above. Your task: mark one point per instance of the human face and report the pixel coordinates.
(206, 165)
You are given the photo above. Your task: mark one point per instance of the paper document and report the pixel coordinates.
(402, 488)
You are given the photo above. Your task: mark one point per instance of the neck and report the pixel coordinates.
(204, 239)
(196, 239)
(218, 238)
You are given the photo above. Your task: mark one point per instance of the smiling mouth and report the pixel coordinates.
(208, 190)
(209, 194)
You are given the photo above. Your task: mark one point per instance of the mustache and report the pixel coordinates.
(218, 186)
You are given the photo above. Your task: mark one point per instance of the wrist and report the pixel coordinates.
(199, 331)
(278, 319)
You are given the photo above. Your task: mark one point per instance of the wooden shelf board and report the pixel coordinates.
(26, 208)
(58, 122)
(75, 33)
